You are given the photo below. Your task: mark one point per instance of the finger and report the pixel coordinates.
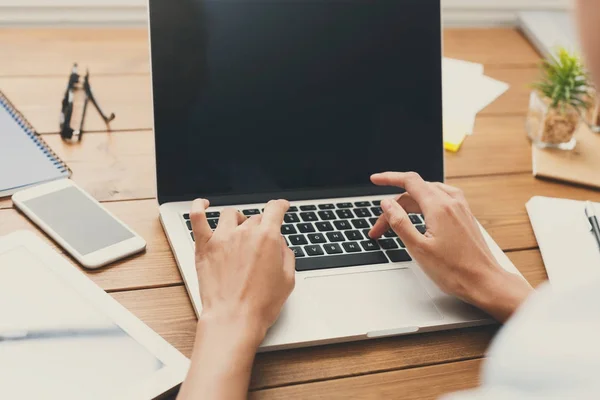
(274, 212)
(253, 220)
(400, 223)
(381, 226)
(412, 182)
(289, 264)
(200, 227)
(230, 219)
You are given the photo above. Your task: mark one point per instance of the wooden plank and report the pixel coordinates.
(39, 99)
(125, 51)
(413, 384)
(490, 46)
(168, 312)
(498, 146)
(121, 165)
(110, 166)
(498, 202)
(155, 268)
(43, 51)
(129, 97)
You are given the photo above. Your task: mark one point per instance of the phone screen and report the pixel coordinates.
(79, 221)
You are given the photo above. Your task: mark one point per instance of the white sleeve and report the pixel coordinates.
(549, 350)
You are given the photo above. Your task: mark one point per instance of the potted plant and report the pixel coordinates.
(558, 101)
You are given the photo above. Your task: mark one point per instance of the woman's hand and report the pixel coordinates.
(452, 252)
(246, 273)
(245, 269)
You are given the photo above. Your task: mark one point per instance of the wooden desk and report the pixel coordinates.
(493, 168)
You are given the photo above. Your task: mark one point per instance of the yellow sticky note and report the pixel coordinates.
(454, 135)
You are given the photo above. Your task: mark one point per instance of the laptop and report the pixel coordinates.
(304, 100)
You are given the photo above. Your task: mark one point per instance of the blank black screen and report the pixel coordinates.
(264, 98)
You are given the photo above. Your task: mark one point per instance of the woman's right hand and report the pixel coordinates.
(452, 252)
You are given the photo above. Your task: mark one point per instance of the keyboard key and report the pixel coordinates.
(213, 214)
(327, 215)
(342, 225)
(398, 255)
(335, 237)
(312, 250)
(362, 203)
(254, 211)
(400, 243)
(297, 252)
(293, 209)
(340, 260)
(308, 216)
(186, 216)
(213, 223)
(415, 219)
(332, 248)
(376, 202)
(352, 247)
(344, 214)
(326, 206)
(306, 227)
(353, 235)
(344, 205)
(288, 230)
(421, 228)
(189, 225)
(308, 208)
(388, 244)
(192, 235)
(377, 211)
(366, 232)
(324, 226)
(369, 245)
(298, 240)
(360, 223)
(390, 234)
(362, 212)
(316, 238)
(373, 221)
(291, 218)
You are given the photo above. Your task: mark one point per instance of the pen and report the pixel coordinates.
(591, 215)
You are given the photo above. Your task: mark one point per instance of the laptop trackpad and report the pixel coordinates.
(363, 302)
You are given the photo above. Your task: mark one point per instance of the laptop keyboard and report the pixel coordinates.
(334, 235)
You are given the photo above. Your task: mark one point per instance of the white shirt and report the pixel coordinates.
(550, 349)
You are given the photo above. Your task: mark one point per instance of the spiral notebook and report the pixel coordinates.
(25, 158)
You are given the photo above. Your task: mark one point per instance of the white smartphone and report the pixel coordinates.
(78, 223)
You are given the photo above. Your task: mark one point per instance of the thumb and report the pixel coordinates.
(400, 223)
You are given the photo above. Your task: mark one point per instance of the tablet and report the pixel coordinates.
(63, 337)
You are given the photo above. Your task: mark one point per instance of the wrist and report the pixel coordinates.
(501, 293)
(236, 331)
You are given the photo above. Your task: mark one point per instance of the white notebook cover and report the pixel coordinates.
(569, 249)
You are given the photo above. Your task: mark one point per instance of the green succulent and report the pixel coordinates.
(565, 81)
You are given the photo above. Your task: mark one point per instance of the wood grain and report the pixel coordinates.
(166, 311)
(38, 52)
(125, 51)
(413, 384)
(154, 268)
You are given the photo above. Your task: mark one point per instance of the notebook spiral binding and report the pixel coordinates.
(30, 131)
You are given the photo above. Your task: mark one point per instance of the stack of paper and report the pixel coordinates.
(466, 91)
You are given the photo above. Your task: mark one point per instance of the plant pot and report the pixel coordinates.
(592, 115)
(549, 127)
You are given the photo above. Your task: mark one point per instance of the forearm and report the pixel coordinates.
(221, 361)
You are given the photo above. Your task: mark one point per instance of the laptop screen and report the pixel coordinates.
(255, 99)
